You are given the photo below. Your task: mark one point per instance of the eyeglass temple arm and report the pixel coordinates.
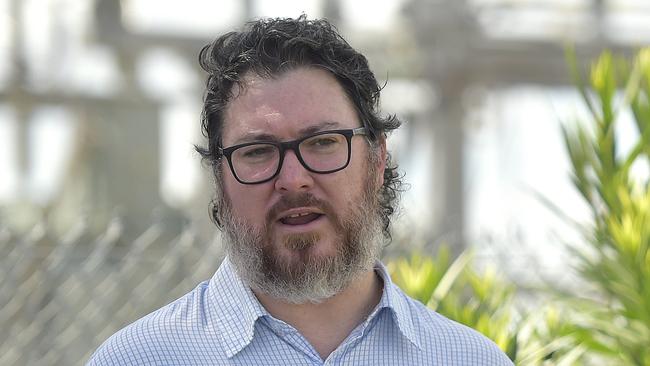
(359, 131)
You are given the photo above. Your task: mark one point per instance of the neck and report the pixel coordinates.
(326, 324)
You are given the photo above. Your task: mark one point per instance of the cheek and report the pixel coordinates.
(346, 186)
(247, 201)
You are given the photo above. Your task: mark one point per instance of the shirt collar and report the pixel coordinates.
(396, 301)
(234, 307)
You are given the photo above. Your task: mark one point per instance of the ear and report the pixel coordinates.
(381, 163)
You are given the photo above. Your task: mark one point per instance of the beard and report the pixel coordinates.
(304, 276)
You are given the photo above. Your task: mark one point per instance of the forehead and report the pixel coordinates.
(283, 106)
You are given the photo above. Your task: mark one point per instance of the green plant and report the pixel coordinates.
(482, 302)
(614, 319)
(486, 302)
(609, 322)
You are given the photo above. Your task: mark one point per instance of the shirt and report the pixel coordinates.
(221, 322)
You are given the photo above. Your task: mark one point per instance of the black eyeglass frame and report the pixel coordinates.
(293, 145)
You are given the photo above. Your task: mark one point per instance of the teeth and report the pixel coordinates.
(298, 215)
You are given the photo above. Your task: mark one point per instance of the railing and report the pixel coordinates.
(61, 297)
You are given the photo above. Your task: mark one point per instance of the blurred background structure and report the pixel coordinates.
(99, 111)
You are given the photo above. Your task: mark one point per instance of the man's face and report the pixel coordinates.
(301, 229)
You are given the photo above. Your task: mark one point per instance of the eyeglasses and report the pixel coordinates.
(323, 152)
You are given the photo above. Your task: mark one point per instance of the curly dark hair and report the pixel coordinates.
(270, 47)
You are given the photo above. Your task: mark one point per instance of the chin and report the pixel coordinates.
(306, 248)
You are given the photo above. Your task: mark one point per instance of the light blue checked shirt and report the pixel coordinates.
(221, 322)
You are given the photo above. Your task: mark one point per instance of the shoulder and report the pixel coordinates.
(155, 338)
(452, 342)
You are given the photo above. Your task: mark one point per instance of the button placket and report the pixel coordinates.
(293, 337)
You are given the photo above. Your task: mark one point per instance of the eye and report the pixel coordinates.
(256, 152)
(326, 141)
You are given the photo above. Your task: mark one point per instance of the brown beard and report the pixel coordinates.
(306, 277)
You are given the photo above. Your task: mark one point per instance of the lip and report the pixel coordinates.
(296, 229)
(298, 211)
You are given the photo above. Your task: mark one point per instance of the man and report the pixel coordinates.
(304, 194)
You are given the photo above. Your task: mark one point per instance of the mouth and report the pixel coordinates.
(299, 217)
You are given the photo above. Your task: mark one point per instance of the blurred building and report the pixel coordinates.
(100, 104)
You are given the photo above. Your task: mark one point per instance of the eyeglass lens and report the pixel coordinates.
(321, 153)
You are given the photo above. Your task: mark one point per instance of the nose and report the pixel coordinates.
(293, 176)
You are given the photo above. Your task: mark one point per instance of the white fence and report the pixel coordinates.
(62, 297)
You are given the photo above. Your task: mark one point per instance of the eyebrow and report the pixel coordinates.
(326, 125)
(262, 136)
(255, 136)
